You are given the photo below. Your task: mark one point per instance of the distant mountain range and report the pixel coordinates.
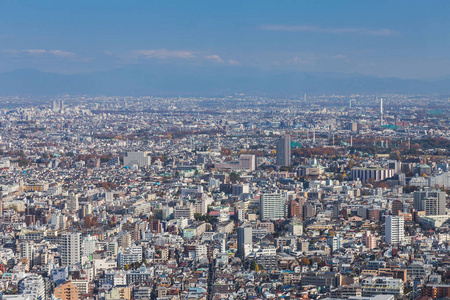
(170, 81)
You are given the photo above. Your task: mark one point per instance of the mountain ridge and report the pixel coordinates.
(166, 81)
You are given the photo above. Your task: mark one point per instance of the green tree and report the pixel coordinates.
(234, 177)
(253, 265)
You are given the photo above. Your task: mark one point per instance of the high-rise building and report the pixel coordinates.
(88, 245)
(369, 240)
(55, 106)
(433, 202)
(112, 249)
(293, 209)
(245, 240)
(284, 151)
(70, 248)
(307, 211)
(86, 210)
(271, 206)
(397, 206)
(32, 286)
(27, 250)
(72, 202)
(239, 189)
(125, 240)
(336, 210)
(66, 291)
(394, 230)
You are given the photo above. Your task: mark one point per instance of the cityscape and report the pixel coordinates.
(241, 150)
(189, 198)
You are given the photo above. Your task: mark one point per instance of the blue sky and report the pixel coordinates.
(406, 39)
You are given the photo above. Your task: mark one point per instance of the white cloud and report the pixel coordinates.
(43, 52)
(233, 62)
(60, 53)
(329, 30)
(34, 51)
(162, 54)
(215, 58)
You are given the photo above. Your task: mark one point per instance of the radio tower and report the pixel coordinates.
(381, 111)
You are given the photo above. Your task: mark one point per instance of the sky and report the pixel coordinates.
(404, 39)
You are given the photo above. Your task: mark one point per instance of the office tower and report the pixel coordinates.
(245, 240)
(271, 206)
(66, 291)
(394, 230)
(293, 209)
(247, 162)
(70, 248)
(32, 287)
(397, 206)
(334, 242)
(307, 211)
(433, 202)
(284, 151)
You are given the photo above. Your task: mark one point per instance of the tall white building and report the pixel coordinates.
(33, 287)
(141, 159)
(272, 206)
(26, 250)
(70, 248)
(89, 245)
(394, 230)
